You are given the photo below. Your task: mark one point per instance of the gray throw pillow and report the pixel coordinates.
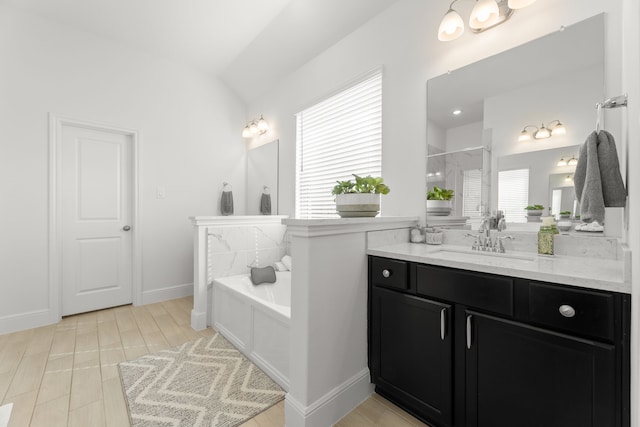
(263, 275)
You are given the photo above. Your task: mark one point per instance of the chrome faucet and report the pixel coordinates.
(483, 241)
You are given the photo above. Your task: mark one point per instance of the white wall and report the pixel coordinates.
(190, 133)
(465, 136)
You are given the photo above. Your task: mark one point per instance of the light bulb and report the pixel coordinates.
(519, 4)
(246, 133)
(484, 14)
(253, 127)
(263, 126)
(572, 161)
(562, 162)
(542, 133)
(559, 129)
(524, 136)
(451, 26)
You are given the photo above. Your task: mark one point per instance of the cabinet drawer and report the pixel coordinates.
(575, 310)
(390, 273)
(483, 291)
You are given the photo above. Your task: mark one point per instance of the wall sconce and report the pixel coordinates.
(255, 127)
(484, 15)
(569, 178)
(543, 132)
(571, 162)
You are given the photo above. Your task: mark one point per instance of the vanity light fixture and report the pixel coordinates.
(255, 127)
(562, 162)
(572, 161)
(554, 128)
(569, 178)
(484, 15)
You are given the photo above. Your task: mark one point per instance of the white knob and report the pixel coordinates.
(567, 311)
(386, 273)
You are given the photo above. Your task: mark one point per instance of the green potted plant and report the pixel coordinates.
(439, 201)
(565, 214)
(359, 198)
(534, 210)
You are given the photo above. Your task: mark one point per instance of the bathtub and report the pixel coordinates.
(255, 318)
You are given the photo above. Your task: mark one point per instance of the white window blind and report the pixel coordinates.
(472, 193)
(336, 138)
(513, 196)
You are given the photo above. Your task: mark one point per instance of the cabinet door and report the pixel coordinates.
(411, 356)
(518, 375)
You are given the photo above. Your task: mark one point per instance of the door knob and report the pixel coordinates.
(126, 228)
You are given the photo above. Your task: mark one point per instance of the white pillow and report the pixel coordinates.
(286, 260)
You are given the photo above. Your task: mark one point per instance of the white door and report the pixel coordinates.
(96, 213)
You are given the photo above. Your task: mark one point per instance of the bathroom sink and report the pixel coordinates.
(457, 252)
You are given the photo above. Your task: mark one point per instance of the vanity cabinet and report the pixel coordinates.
(460, 348)
(413, 348)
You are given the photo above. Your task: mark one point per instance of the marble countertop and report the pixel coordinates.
(604, 274)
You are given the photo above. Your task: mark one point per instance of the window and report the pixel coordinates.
(513, 196)
(336, 138)
(472, 193)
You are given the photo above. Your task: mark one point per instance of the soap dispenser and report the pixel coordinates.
(546, 236)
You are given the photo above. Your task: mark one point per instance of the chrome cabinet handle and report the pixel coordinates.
(469, 332)
(567, 310)
(386, 273)
(126, 228)
(443, 323)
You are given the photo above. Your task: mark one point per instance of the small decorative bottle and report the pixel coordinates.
(546, 235)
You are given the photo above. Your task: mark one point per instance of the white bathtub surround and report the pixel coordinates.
(256, 320)
(225, 246)
(328, 372)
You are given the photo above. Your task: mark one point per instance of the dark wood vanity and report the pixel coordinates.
(462, 348)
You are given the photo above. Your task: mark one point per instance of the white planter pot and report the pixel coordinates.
(438, 207)
(358, 204)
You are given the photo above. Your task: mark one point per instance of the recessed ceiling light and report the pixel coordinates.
(457, 112)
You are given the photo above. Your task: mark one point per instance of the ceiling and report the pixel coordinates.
(250, 44)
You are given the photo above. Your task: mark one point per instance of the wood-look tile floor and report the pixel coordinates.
(67, 375)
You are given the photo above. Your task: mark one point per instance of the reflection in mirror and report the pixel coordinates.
(465, 172)
(562, 196)
(556, 77)
(262, 179)
(524, 179)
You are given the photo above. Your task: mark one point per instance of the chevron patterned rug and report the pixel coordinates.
(207, 382)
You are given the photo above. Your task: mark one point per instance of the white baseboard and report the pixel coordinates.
(168, 293)
(28, 320)
(331, 407)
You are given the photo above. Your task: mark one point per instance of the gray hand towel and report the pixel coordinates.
(226, 203)
(613, 191)
(265, 204)
(597, 178)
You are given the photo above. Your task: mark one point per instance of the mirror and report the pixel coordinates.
(528, 179)
(562, 196)
(557, 77)
(262, 179)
